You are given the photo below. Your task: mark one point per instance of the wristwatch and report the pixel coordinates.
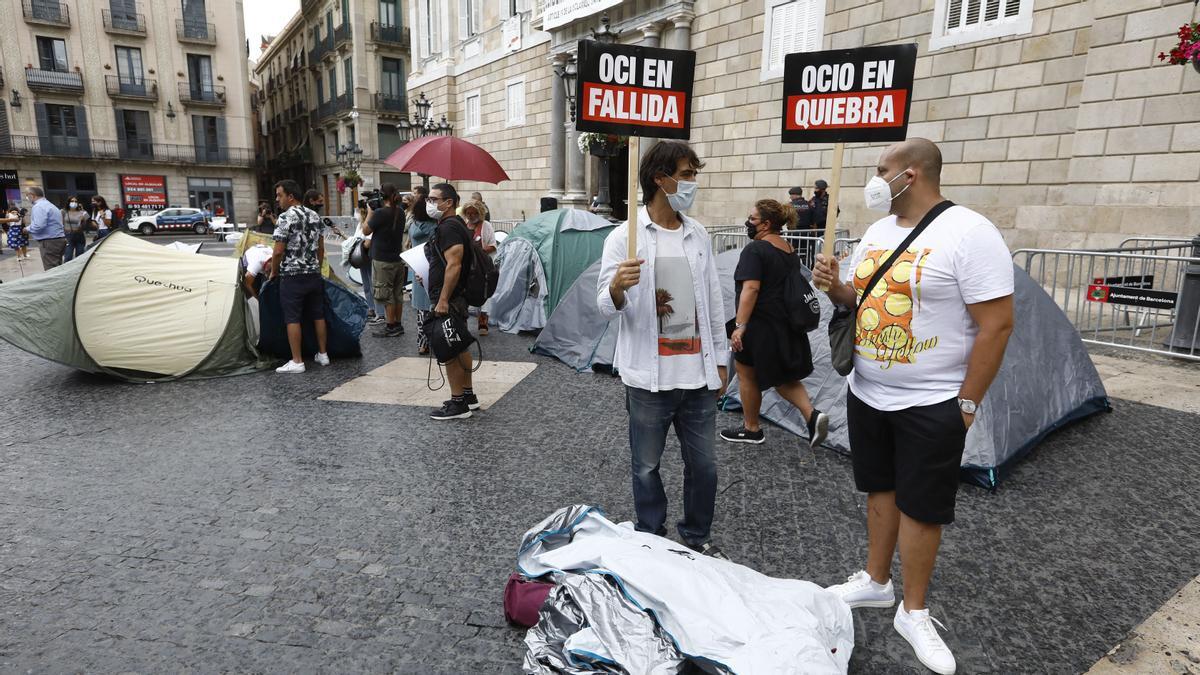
(967, 406)
(738, 325)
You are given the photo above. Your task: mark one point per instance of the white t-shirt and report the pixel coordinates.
(103, 218)
(257, 258)
(914, 334)
(680, 361)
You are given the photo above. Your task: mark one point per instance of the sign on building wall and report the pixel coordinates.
(848, 95)
(512, 33)
(634, 91)
(557, 13)
(11, 188)
(144, 192)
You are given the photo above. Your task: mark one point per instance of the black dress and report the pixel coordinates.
(778, 354)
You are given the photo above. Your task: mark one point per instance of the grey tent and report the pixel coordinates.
(134, 310)
(1047, 379)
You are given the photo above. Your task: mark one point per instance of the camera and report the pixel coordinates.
(372, 200)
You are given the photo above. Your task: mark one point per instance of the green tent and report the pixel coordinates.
(134, 310)
(538, 263)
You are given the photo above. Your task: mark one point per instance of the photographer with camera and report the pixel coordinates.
(386, 229)
(266, 218)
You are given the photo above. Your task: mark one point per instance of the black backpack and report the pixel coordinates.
(482, 275)
(803, 307)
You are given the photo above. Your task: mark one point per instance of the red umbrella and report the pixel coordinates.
(448, 157)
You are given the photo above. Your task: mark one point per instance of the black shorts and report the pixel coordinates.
(302, 296)
(916, 451)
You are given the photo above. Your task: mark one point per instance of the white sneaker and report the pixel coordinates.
(321, 358)
(918, 628)
(862, 591)
(291, 367)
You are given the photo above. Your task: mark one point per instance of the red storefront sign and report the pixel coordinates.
(141, 191)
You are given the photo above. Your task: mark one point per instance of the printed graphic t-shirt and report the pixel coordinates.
(304, 233)
(914, 334)
(680, 363)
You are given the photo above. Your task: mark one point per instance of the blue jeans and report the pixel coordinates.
(76, 244)
(368, 290)
(693, 413)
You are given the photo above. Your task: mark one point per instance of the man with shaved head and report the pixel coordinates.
(932, 283)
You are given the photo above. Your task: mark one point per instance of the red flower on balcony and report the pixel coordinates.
(1188, 49)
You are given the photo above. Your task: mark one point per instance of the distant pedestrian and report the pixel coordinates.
(804, 211)
(75, 223)
(820, 205)
(420, 230)
(767, 352)
(671, 347)
(265, 220)
(482, 232)
(375, 309)
(449, 266)
(388, 273)
(119, 216)
(46, 227)
(296, 264)
(477, 197)
(18, 233)
(102, 216)
(936, 287)
(315, 201)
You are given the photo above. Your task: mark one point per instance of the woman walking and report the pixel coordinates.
(420, 229)
(75, 220)
(482, 232)
(768, 352)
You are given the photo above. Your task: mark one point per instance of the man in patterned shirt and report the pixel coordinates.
(296, 263)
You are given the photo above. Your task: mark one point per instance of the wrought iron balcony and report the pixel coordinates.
(140, 89)
(390, 104)
(124, 23)
(196, 32)
(138, 150)
(54, 82)
(319, 50)
(335, 106)
(202, 95)
(341, 35)
(397, 36)
(47, 12)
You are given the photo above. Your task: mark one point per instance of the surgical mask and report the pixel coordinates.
(751, 230)
(432, 210)
(685, 194)
(877, 193)
(74, 205)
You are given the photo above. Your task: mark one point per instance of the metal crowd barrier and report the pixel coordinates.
(807, 246)
(1144, 301)
(505, 226)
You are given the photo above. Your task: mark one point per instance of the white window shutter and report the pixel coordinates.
(503, 9)
(954, 13)
(464, 30)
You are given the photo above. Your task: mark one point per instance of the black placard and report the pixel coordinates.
(634, 91)
(848, 95)
(1135, 281)
(1137, 297)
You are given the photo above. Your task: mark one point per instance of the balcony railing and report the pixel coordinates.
(134, 88)
(53, 81)
(341, 35)
(123, 23)
(47, 12)
(67, 146)
(337, 105)
(390, 35)
(391, 104)
(196, 31)
(319, 50)
(206, 95)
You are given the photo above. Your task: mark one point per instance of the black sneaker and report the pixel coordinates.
(743, 435)
(818, 428)
(710, 549)
(451, 410)
(471, 400)
(389, 331)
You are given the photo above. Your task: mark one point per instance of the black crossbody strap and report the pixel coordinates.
(931, 216)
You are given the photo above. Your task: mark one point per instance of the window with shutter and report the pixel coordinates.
(791, 26)
(515, 97)
(957, 22)
(474, 117)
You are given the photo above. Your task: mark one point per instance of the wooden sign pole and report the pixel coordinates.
(835, 187)
(632, 200)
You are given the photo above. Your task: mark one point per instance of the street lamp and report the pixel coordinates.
(568, 72)
(422, 125)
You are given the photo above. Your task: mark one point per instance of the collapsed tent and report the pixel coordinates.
(1047, 379)
(134, 310)
(629, 601)
(539, 261)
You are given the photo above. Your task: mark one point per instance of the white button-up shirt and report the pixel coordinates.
(637, 337)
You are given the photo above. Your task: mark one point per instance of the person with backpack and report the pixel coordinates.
(770, 337)
(420, 230)
(388, 273)
(450, 262)
(482, 234)
(75, 222)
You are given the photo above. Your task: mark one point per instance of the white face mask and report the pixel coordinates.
(432, 211)
(877, 193)
(74, 205)
(685, 194)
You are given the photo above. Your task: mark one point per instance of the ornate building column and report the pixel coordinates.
(558, 131)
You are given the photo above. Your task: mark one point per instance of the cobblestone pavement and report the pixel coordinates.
(241, 524)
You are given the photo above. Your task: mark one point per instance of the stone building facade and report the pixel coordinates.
(335, 77)
(144, 102)
(1054, 116)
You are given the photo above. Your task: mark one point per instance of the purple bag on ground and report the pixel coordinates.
(523, 599)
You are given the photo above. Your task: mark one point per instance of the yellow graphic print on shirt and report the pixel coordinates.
(884, 331)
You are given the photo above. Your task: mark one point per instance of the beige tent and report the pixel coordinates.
(135, 310)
